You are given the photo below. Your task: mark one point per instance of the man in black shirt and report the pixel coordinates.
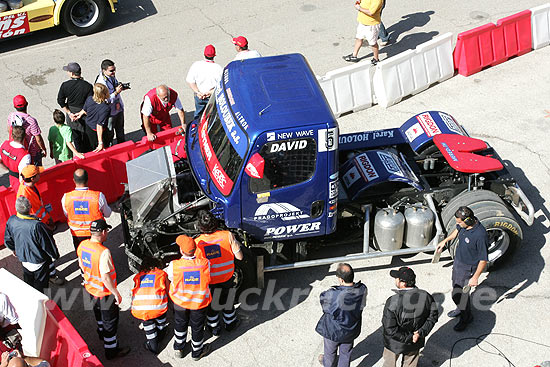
(71, 97)
(470, 260)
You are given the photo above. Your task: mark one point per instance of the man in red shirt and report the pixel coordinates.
(155, 110)
(14, 155)
(33, 140)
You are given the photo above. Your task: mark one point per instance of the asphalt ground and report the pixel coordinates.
(507, 105)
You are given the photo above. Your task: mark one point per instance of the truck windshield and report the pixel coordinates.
(219, 155)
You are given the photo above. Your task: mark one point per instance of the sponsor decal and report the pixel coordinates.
(414, 132)
(212, 251)
(428, 124)
(366, 167)
(328, 139)
(236, 135)
(449, 152)
(147, 281)
(219, 176)
(81, 207)
(86, 259)
(241, 120)
(262, 197)
(270, 136)
(230, 96)
(351, 176)
(205, 143)
(284, 211)
(333, 189)
(14, 24)
(288, 145)
(289, 230)
(192, 277)
(389, 163)
(450, 122)
(252, 170)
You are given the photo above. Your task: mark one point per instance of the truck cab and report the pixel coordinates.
(265, 150)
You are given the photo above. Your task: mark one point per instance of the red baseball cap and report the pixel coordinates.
(19, 101)
(240, 41)
(209, 51)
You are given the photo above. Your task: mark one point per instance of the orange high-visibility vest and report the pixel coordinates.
(88, 253)
(216, 247)
(189, 289)
(37, 205)
(149, 295)
(82, 207)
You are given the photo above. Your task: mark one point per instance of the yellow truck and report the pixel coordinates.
(79, 17)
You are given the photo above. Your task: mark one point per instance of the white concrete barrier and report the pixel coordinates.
(30, 307)
(540, 26)
(349, 88)
(413, 71)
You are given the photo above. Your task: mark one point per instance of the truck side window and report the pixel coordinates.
(287, 162)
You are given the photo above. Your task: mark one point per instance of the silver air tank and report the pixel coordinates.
(420, 221)
(389, 225)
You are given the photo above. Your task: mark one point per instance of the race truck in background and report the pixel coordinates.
(78, 17)
(267, 159)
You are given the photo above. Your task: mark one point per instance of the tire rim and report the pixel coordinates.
(499, 242)
(238, 277)
(84, 13)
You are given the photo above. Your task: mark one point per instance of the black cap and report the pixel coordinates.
(99, 225)
(405, 274)
(73, 67)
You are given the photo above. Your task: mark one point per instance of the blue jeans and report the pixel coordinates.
(383, 34)
(200, 104)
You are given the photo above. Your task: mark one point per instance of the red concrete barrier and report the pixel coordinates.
(62, 346)
(7, 196)
(492, 44)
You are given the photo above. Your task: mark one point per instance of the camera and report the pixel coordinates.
(125, 86)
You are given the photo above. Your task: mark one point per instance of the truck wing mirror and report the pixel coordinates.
(255, 166)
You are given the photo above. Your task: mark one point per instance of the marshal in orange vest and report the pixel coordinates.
(189, 288)
(216, 247)
(89, 253)
(149, 295)
(38, 209)
(82, 207)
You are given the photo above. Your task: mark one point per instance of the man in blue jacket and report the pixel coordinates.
(32, 243)
(341, 321)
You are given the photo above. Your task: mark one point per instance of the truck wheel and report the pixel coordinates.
(468, 198)
(503, 230)
(245, 272)
(81, 17)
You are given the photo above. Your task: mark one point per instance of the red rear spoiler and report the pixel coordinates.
(457, 150)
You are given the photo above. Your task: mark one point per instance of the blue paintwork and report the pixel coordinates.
(278, 99)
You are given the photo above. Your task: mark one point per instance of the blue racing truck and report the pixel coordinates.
(267, 159)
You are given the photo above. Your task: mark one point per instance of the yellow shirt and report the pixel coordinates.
(374, 6)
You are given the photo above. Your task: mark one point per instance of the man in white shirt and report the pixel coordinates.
(155, 110)
(203, 76)
(241, 45)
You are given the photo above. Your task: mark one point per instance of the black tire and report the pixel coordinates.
(504, 231)
(468, 198)
(245, 272)
(82, 17)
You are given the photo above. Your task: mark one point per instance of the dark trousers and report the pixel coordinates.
(182, 319)
(408, 360)
(78, 130)
(330, 349)
(39, 279)
(77, 240)
(383, 34)
(116, 125)
(153, 328)
(461, 276)
(91, 137)
(220, 293)
(106, 315)
(200, 104)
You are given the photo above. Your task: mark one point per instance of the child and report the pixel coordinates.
(150, 301)
(60, 137)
